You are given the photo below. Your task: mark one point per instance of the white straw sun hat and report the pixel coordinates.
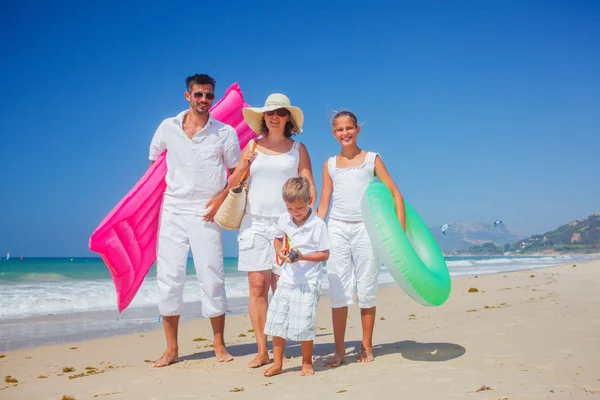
(254, 115)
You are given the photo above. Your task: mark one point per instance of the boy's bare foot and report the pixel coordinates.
(366, 354)
(307, 369)
(222, 355)
(169, 357)
(259, 361)
(274, 370)
(334, 361)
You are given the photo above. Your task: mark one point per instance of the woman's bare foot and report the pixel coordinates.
(334, 361)
(307, 369)
(274, 370)
(366, 354)
(169, 357)
(222, 355)
(259, 361)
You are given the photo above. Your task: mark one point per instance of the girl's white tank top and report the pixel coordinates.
(268, 173)
(349, 185)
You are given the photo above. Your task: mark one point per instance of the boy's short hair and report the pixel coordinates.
(296, 189)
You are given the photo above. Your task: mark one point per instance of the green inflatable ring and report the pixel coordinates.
(420, 270)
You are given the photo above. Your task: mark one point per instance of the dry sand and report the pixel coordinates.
(523, 335)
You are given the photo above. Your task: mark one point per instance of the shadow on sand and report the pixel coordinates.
(410, 350)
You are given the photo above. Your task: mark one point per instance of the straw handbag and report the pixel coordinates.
(229, 216)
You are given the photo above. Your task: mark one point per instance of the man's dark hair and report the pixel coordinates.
(198, 79)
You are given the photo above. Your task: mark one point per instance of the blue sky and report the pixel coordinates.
(481, 110)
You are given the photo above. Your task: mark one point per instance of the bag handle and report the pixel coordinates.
(247, 170)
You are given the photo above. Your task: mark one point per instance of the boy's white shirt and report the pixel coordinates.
(309, 238)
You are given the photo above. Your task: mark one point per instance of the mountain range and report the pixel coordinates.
(580, 236)
(463, 235)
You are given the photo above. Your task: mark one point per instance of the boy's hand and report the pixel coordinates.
(300, 256)
(281, 254)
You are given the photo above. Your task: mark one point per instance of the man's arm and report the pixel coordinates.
(157, 145)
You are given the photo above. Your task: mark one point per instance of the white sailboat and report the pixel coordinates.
(7, 255)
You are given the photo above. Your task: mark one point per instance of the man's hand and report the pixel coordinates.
(212, 207)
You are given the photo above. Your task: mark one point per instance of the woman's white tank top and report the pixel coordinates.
(349, 185)
(268, 173)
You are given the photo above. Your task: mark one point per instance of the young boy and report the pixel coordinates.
(302, 244)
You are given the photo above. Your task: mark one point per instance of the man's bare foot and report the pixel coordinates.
(366, 354)
(259, 361)
(334, 361)
(222, 355)
(274, 370)
(307, 369)
(169, 357)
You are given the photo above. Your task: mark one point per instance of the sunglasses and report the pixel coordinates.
(281, 112)
(209, 95)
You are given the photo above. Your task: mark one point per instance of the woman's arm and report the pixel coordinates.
(382, 173)
(247, 157)
(305, 170)
(213, 204)
(326, 191)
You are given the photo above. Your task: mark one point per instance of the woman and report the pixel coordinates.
(277, 157)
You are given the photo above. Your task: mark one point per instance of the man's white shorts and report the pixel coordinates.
(352, 265)
(177, 234)
(256, 248)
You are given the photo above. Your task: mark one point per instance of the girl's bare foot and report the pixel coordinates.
(222, 355)
(366, 354)
(334, 361)
(307, 369)
(169, 357)
(259, 361)
(274, 370)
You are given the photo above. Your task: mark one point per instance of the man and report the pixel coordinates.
(199, 148)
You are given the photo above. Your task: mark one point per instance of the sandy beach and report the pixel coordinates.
(522, 335)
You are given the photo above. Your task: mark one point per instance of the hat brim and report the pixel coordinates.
(254, 117)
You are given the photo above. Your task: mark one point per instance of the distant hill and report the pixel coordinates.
(581, 236)
(463, 235)
(578, 236)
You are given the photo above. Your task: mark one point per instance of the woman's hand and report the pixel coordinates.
(249, 156)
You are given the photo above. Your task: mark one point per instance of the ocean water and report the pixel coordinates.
(53, 300)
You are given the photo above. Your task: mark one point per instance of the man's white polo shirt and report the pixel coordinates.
(196, 168)
(309, 238)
